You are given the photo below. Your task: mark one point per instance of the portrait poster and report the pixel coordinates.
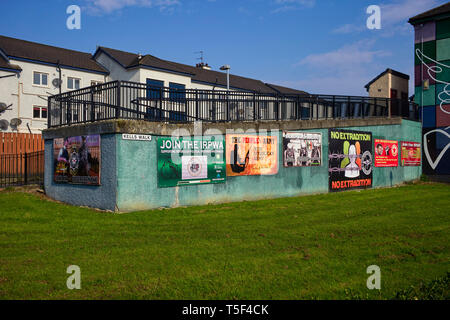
(349, 159)
(249, 155)
(386, 153)
(411, 154)
(186, 161)
(77, 160)
(302, 149)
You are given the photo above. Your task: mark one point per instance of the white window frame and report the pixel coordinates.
(96, 83)
(40, 112)
(73, 78)
(40, 79)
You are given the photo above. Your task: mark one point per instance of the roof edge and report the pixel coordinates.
(388, 70)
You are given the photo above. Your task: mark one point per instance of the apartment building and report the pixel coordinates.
(31, 72)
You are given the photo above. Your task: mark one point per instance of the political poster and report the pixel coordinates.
(411, 153)
(249, 155)
(302, 149)
(190, 161)
(349, 159)
(77, 160)
(386, 153)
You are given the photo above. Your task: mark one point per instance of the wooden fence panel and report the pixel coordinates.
(15, 143)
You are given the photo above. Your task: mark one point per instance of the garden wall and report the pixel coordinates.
(129, 170)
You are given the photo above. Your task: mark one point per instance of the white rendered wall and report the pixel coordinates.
(25, 95)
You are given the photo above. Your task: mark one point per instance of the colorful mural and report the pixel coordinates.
(432, 91)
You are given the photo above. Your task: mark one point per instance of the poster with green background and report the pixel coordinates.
(190, 160)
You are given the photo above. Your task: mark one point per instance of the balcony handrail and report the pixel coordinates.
(134, 100)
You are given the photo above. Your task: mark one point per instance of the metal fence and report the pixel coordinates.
(21, 169)
(130, 100)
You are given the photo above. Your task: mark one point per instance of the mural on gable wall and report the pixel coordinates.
(433, 94)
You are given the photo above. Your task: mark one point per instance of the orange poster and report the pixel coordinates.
(249, 155)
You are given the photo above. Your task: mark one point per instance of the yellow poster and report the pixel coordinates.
(249, 155)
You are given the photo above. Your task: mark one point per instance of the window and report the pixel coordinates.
(39, 112)
(73, 83)
(178, 94)
(177, 91)
(95, 83)
(40, 79)
(152, 88)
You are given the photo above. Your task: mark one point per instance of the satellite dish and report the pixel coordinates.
(15, 122)
(4, 107)
(4, 125)
(57, 82)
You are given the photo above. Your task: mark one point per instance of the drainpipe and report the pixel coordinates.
(58, 68)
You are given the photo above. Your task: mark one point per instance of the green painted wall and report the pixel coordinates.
(443, 49)
(429, 96)
(137, 178)
(428, 48)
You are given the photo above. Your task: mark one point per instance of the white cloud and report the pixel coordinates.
(291, 5)
(346, 57)
(349, 28)
(341, 71)
(394, 17)
(398, 12)
(108, 6)
(284, 9)
(306, 3)
(337, 85)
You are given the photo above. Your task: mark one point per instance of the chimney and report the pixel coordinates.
(203, 65)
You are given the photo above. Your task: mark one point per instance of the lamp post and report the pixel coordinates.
(227, 68)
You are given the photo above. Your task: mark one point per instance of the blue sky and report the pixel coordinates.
(321, 46)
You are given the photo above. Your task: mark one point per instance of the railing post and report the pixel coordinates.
(254, 106)
(25, 180)
(68, 112)
(49, 122)
(310, 109)
(348, 108)
(160, 104)
(389, 106)
(277, 103)
(84, 112)
(362, 108)
(228, 107)
(60, 111)
(333, 112)
(196, 104)
(317, 106)
(375, 106)
(118, 102)
(92, 106)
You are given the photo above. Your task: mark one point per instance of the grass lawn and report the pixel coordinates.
(306, 247)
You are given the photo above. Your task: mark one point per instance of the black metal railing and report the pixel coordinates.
(130, 100)
(21, 169)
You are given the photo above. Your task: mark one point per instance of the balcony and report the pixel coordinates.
(130, 100)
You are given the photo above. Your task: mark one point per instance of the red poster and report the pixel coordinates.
(410, 153)
(386, 153)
